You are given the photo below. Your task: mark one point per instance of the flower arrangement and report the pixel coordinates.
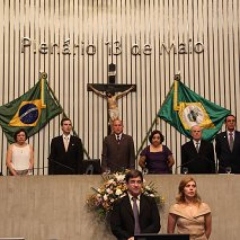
(113, 188)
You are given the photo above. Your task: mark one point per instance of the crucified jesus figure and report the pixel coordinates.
(113, 111)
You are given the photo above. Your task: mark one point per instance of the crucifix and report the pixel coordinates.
(110, 89)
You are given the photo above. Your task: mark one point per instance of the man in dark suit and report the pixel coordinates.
(66, 152)
(125, 221)
(197, 154)
(118, 150)
(228, 147)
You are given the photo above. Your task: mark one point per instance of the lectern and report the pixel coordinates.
(14, 238)
(154, 236)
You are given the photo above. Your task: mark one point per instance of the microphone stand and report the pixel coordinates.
(62, 165)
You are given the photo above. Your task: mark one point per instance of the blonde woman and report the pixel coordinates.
(189, 213)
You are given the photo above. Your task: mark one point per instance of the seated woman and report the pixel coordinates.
(189, 213)
(156, 158)
(20, 156)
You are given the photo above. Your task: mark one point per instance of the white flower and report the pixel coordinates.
(109, 190)
(105, 197)
(118, 192)
(111, 181)
(120, 177)
(112, 189)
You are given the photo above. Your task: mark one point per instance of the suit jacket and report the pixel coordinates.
(226, 157)
(66, 162)
(122, 218)
(118, 156)
(202, 161)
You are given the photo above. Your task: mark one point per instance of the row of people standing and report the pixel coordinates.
(65, 158)
(198, 155)
(118, 152)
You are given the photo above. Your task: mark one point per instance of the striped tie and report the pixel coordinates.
(197, 146)
(231, 141)
(137, 228)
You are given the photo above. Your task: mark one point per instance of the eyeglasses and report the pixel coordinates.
(135, 182)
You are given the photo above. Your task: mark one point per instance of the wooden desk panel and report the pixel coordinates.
(53, 207)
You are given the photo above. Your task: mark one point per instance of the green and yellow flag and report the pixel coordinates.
(183, 109)
(31, 111)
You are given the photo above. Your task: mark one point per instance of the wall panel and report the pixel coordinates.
(100, 32)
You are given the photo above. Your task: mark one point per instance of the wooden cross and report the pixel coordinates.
(110, 89)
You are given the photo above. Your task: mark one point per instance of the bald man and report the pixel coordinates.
(197, 154)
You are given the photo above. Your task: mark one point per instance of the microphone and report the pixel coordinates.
(115, 166)
(183, 165)
(37, 168)
(224, 165)
(61, 164)
(90, 169)
(199, 160)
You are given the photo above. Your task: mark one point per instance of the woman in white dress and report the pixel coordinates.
(20, 155)
(189, 213)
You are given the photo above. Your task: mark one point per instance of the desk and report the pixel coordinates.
(53, 207)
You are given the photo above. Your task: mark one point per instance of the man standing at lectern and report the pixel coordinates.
(66, 152)
(118, 150)
(134, 213)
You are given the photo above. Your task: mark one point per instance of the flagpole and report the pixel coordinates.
(145, 139)
(64, 114)
(43, 77)
(175, 98)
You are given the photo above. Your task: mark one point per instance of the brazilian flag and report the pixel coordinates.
(183, 109)
(31, 111)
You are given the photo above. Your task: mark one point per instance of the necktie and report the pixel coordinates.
(136, 216)
(231, 141)
(118, 139)
(197, 146)
(66, 143)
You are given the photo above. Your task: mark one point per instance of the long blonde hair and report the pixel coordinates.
(181, 196)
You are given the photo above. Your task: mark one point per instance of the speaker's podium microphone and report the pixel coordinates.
(61, 165)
